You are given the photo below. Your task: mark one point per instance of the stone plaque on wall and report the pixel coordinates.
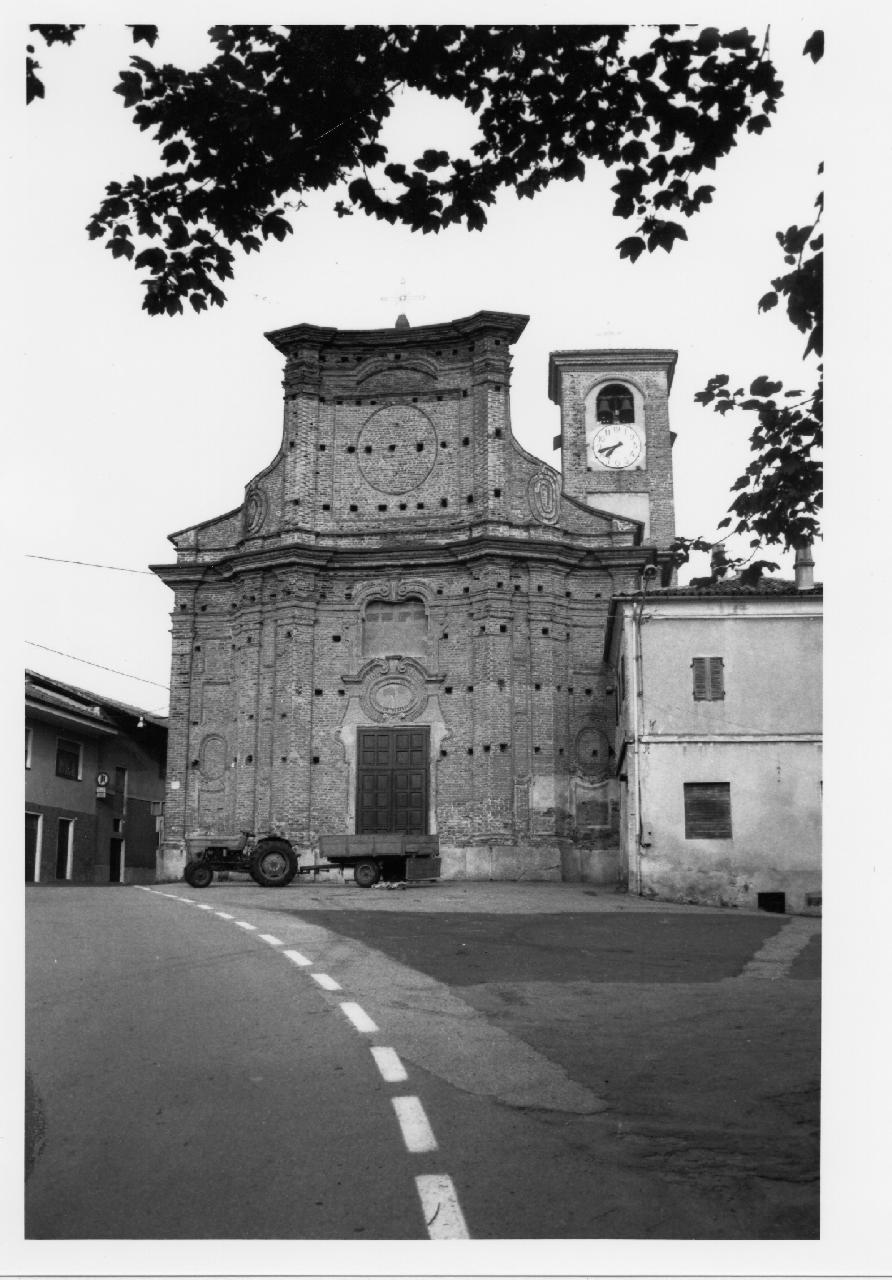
(592, 750)
(544, 497)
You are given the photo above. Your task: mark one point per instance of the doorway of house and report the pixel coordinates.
(115, 859)
(392, 780)
(64, 835)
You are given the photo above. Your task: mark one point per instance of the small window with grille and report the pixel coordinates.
(707, 811)
(68, 759)
(709, 679)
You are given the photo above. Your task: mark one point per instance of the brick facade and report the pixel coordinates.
(402, 561)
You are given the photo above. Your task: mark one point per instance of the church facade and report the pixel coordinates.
(401, 628)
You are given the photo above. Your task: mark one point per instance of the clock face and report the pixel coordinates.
(615, 446)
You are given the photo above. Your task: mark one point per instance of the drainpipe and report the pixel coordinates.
(805, 567)
(632, 648)
(637, 700)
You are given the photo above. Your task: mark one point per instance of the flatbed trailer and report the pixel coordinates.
(393, 859)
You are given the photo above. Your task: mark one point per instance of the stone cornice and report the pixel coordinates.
(291, 340)
(423, 557)
(616, 360)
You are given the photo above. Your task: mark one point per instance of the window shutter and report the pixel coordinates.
(707, 810)
(700, 679)
(709, 679)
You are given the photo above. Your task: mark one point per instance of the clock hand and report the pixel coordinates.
(605, 453)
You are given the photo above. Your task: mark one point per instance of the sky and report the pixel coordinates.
(138, 426)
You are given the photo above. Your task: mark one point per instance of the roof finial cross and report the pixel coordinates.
(404, 295)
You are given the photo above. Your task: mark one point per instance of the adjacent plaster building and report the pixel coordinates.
(94, 786)
(401, 627)
(718, 742)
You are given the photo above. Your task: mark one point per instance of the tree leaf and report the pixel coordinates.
(175, 153)
(632, 247)
(147, 33)
(763, 386)
(154, 259)
(814, 46)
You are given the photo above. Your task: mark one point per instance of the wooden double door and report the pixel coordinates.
(393, 767)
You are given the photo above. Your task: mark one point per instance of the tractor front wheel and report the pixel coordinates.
(198, 874)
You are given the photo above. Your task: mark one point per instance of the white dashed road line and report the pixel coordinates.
(358, 1016)
(417, 1133)
(439, 1204)
(443, 1217)
(325, 981)
(392, 1070)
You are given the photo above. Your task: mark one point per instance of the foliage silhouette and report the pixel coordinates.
(283, 112)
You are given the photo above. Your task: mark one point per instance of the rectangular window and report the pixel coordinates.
(68, 759)
(707, 810)
(709, 679)
(29, 735)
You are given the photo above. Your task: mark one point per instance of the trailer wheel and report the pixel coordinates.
(198, 874)
(273, 863)
(366, 873)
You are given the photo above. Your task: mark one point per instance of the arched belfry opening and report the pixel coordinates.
(615, 404)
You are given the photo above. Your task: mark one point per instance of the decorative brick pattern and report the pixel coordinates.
(399, 480)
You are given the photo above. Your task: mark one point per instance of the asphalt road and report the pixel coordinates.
(575, 1067)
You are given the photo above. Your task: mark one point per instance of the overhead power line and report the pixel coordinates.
(98, 665)
(88, 564)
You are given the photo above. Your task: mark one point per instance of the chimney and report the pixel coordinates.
(718, 562)
(805, 567)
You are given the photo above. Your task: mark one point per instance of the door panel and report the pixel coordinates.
(63, 847)
(392, 781)
(115, 859)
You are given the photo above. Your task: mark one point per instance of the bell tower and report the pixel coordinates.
(615, 442)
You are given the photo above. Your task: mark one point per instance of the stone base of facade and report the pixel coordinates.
(170, 863)
(800, 890)
(557, 862)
